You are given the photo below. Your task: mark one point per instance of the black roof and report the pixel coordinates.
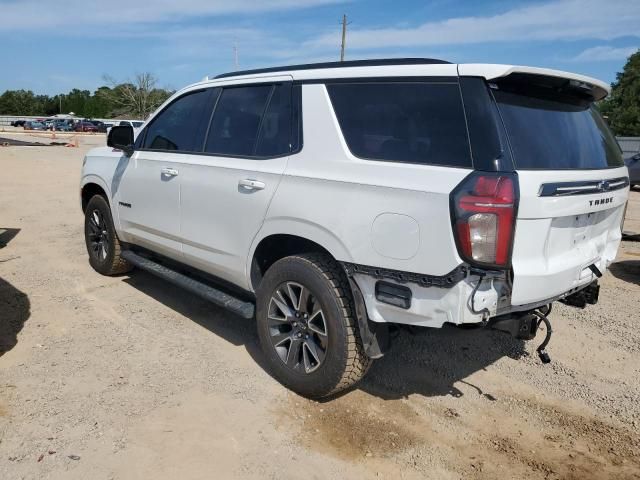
(349, 63)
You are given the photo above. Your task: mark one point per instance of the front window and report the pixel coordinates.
(182, 125)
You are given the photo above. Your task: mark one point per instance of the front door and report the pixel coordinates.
(148, 201)
(149, 185)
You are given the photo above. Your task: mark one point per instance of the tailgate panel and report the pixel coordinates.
(557, 238)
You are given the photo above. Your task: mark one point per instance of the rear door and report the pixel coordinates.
(573, 188)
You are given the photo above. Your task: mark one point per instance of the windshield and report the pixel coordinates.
(551, 135)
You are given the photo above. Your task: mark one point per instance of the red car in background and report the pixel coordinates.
(85, 127)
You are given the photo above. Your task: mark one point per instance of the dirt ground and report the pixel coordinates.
(130, 378)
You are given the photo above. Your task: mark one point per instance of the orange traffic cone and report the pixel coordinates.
(53, 133)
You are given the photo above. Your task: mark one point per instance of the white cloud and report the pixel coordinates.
(604, 53)
(27, 15)
(555, 20)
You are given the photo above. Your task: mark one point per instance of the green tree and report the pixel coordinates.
(19, 102)
(137, 98)
(77, 101)
(623, 106)
(101, 103)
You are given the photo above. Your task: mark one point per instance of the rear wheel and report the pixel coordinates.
(103, 246)
(307, 327)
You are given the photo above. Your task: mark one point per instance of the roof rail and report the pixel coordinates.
(349, 63)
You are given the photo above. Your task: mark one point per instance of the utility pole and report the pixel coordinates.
(235, 56)
(344, 37)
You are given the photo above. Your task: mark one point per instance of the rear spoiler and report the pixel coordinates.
(595, 89)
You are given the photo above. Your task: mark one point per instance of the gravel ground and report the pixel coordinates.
(127, 377)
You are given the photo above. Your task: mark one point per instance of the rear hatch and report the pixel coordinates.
(573, 185)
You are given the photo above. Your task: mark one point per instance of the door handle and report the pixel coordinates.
(170, 172)
(250, 184)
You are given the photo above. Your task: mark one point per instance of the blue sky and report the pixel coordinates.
(53, 46)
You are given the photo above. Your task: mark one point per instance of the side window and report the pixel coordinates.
(486, 133)
(413, 122)
(275, 130)
(182, 125)
(236, 121)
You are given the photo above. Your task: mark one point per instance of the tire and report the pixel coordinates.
(103, 246)
(316, 356)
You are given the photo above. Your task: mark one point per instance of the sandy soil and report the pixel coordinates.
(127, 377)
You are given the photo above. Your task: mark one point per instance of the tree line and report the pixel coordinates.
(135, 98)
(141, 96)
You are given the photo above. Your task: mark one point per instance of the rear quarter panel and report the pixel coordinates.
(356, 208)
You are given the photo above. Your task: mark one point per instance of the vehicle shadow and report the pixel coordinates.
(626, 270)
(15, 307)
(428, 362)
(6, 235)
(234, 329)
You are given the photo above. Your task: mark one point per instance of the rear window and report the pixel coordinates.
(403, 122)
(236, 120)
(550, 135)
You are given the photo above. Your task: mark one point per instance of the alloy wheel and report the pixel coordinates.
(297, 327)
(98, 235)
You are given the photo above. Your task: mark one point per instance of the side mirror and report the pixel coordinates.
(121, 137)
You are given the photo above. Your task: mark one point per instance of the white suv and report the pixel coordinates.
(336, 199)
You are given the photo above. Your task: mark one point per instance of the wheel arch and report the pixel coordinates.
(93, 185)
(279, 239)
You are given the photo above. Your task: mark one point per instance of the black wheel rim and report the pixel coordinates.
(297, 327)
(98, 235)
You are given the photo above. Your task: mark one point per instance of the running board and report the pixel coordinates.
(237, 306)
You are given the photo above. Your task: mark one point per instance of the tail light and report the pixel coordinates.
(483, 210)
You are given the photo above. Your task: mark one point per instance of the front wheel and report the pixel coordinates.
(103, 246)
(307, 326)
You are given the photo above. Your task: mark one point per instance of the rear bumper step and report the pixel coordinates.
(222, 299)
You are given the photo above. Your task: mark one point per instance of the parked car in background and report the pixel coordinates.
(85, 127)
(33, 125)
(62, 126)
(18, 123)
(101, 126)
(136, 124)
(132, 123)
(633, 164)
